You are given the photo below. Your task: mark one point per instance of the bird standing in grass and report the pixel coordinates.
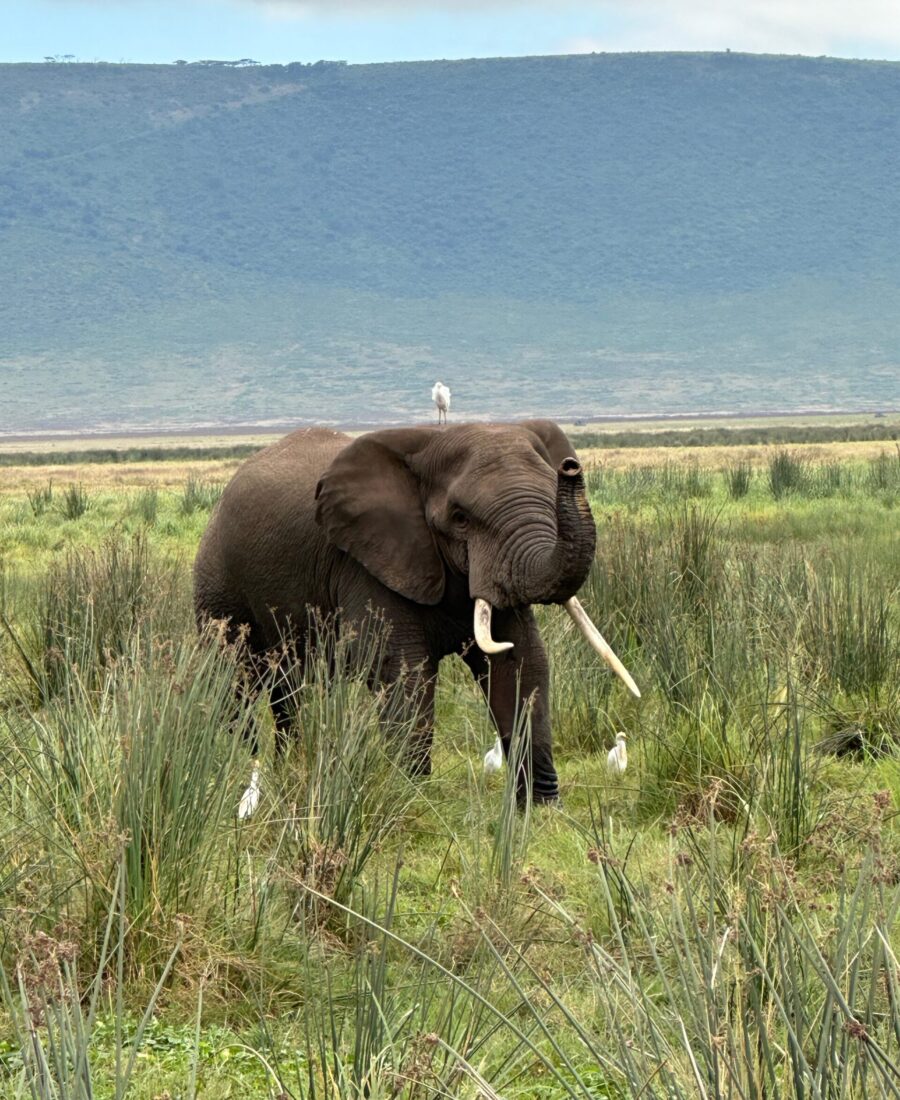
(617, 757)
(493, 758)
(440, 395)
(250, 798)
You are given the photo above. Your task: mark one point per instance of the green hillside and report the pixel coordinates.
(574, 235)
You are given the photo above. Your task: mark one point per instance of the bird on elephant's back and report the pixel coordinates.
(450, 535)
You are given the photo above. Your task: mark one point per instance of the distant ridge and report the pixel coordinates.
(606, 233)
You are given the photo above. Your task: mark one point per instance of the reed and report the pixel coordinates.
(199, 495)
(76, 500)
(86, 608)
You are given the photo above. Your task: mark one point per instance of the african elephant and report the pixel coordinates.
(450, 534)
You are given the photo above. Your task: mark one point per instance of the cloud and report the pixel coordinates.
(285, 10)
(304, 8)
(861, 28)
(782, 26)
(772, 26)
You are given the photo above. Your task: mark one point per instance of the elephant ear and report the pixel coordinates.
(554, 439)
(370, 505)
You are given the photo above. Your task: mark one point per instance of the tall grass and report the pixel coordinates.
(41, 499)
(699, 607)
(723, 986)
(146, 505)
(719, 922)
(85, 610)
(343, 791)
(787, 473)
(75, 502)
(142, 770)
(199, 495)
(884, 471)
(54, 1014)
(784, 475)
(717, 632)
(669, 481)
(738, 478)
(408, 1026)
(732, 988)
(847, 633)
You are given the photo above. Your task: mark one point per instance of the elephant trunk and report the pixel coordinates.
(553, 572)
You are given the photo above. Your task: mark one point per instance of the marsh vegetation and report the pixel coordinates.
(721, 921)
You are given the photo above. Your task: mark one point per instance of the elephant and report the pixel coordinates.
(451, 534)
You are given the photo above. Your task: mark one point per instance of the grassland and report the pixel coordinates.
(719, 922)
(133, 461)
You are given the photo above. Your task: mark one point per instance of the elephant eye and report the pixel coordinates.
(458, 517)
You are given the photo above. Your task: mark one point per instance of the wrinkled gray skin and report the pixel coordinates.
(416, 522)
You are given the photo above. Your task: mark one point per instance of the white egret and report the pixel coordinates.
(493, 758)
(617, 757)
(250, 798)
(440, 395)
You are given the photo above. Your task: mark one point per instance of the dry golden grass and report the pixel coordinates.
(114, 476)
(163, 474)
(758, 454)
(67, 444)
(172, 474)
(687, 424)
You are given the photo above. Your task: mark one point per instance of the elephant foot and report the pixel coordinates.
(545, 789)
(545, 794)
(417, 763)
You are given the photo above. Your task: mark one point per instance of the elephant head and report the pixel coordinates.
(502, 506)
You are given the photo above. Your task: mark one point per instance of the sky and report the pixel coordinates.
(279, 31)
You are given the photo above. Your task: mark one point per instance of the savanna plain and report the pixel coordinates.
(718, 921)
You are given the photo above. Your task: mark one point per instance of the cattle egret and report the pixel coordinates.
(250, 799)
(493, 758)
(440, 395)
(617, 757)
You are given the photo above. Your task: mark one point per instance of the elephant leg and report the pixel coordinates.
(512, 681)
(281, 697)
(393, 651)
(408, 708)
(247, 690)
(288, 678)
(267, 671)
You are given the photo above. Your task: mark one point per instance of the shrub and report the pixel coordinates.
(85, 609)
(738, 478)
(787, 474)
(54, 1017)
(142, 771)
(199, 495)
(847, 631)
(75, 502)
(41, 499)
(884, 472)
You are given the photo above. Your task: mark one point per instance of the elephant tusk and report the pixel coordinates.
(596, 639)
(483, 630)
